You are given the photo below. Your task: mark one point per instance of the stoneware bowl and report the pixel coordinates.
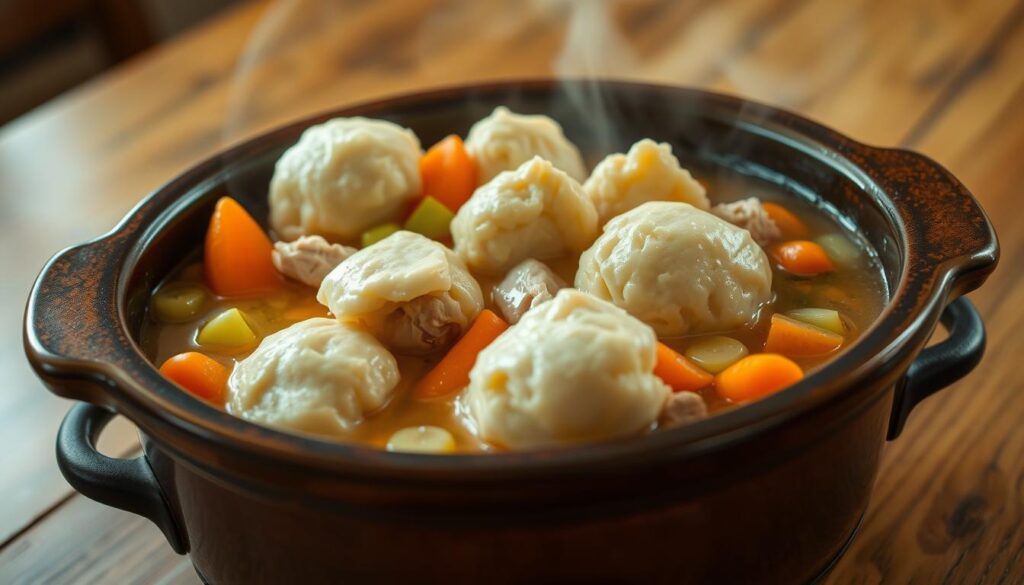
(768, 493)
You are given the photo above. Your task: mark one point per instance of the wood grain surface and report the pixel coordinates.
(939, 76)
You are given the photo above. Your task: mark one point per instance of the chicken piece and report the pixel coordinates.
(308, 259)
(527, 285)
(750, 215)
(424, 324)
(683, 408)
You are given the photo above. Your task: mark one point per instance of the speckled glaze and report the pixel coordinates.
(768, 493)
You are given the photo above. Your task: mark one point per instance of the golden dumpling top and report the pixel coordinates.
(679, 269)
(573, 369)
(648, 172)
(504, 140)
(343, 177)
(536, 211)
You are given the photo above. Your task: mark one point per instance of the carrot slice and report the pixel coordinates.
(802, 257)
(237, 253)
(790, 225)
(452, 372)
(200, 375)
(795, 338)
(678, 371)
(448, 173)
(756, 376)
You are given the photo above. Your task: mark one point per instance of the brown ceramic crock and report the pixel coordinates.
(767, 493)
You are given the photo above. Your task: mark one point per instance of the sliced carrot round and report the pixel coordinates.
(757, 376)
(200, 375)
(802, 258)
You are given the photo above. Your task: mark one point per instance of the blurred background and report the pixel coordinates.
(50, 46)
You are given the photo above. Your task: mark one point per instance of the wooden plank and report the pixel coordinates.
(122, 548)
(949, 502)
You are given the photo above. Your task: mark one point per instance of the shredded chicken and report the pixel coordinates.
(309, 259)
(683, 408)
(424, 324)
(750, 215)
(526, 285)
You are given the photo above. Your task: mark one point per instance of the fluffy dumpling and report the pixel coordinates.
(412, 293)
(504, 140)
(536, 211)
(677, 268)
(573, 369)
(343, 177)
(318, 376)
(648, 172)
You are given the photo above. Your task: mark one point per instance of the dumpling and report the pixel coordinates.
(504, 140)
(412, 293)
(678, 269)
(648, 172)
(536, 211)
(573, 369)
(343, 177)
(317, 376)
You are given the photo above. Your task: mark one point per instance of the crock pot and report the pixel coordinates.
(768, 493)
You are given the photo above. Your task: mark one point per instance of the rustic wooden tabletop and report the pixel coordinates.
(939, 76)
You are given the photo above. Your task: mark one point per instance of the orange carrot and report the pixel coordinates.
(802, 257)
(756, 376)
(789, 224)
(237, 253)
(796, 338)
(678, 371)
(200, 375)
(448, 173)
(452, 372)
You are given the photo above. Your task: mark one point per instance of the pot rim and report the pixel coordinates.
(134, 387)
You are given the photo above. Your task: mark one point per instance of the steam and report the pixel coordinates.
(594, 49)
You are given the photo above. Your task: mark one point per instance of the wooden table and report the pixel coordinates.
(942, 77)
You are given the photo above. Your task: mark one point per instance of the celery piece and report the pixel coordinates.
(431, 219)
(229, 330)
(374, 235)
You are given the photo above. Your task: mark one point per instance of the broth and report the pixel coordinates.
(856, 289)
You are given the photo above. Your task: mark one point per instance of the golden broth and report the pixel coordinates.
(856, 289)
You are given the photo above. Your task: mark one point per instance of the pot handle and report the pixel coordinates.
(127, 484)
(942, 364)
